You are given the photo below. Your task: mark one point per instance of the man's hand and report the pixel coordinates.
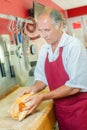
(25, 91)
(37, 87)
(33, 102)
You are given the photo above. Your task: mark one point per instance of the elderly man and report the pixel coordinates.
(62, 65)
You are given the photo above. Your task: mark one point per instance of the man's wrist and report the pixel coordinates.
(42, 97)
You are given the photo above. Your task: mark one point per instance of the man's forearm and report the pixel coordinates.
(38, 86)
(63, 91)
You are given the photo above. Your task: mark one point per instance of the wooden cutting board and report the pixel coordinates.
(44, 119)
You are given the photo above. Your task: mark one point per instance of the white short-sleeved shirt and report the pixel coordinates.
(74, 57)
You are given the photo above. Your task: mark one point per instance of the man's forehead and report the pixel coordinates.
(45, 19)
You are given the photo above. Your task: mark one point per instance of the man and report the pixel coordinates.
(62, 64)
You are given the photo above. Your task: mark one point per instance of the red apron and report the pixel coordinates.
(71, 112)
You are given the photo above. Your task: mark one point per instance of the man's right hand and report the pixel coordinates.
(25, 91)
(38, 86)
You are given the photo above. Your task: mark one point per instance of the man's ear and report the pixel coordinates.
(60, 25)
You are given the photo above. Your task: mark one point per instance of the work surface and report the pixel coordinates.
(43, 119)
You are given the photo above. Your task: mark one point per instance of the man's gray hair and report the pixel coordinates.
(55, 15)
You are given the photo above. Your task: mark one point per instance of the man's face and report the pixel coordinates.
(47, 29)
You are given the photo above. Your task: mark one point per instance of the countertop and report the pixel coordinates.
(43, 119)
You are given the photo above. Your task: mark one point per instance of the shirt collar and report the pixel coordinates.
(62, 41)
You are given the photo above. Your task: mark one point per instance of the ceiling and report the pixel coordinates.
(69, 4)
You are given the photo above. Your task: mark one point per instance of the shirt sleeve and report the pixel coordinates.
(77, 67)
(39, 73)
